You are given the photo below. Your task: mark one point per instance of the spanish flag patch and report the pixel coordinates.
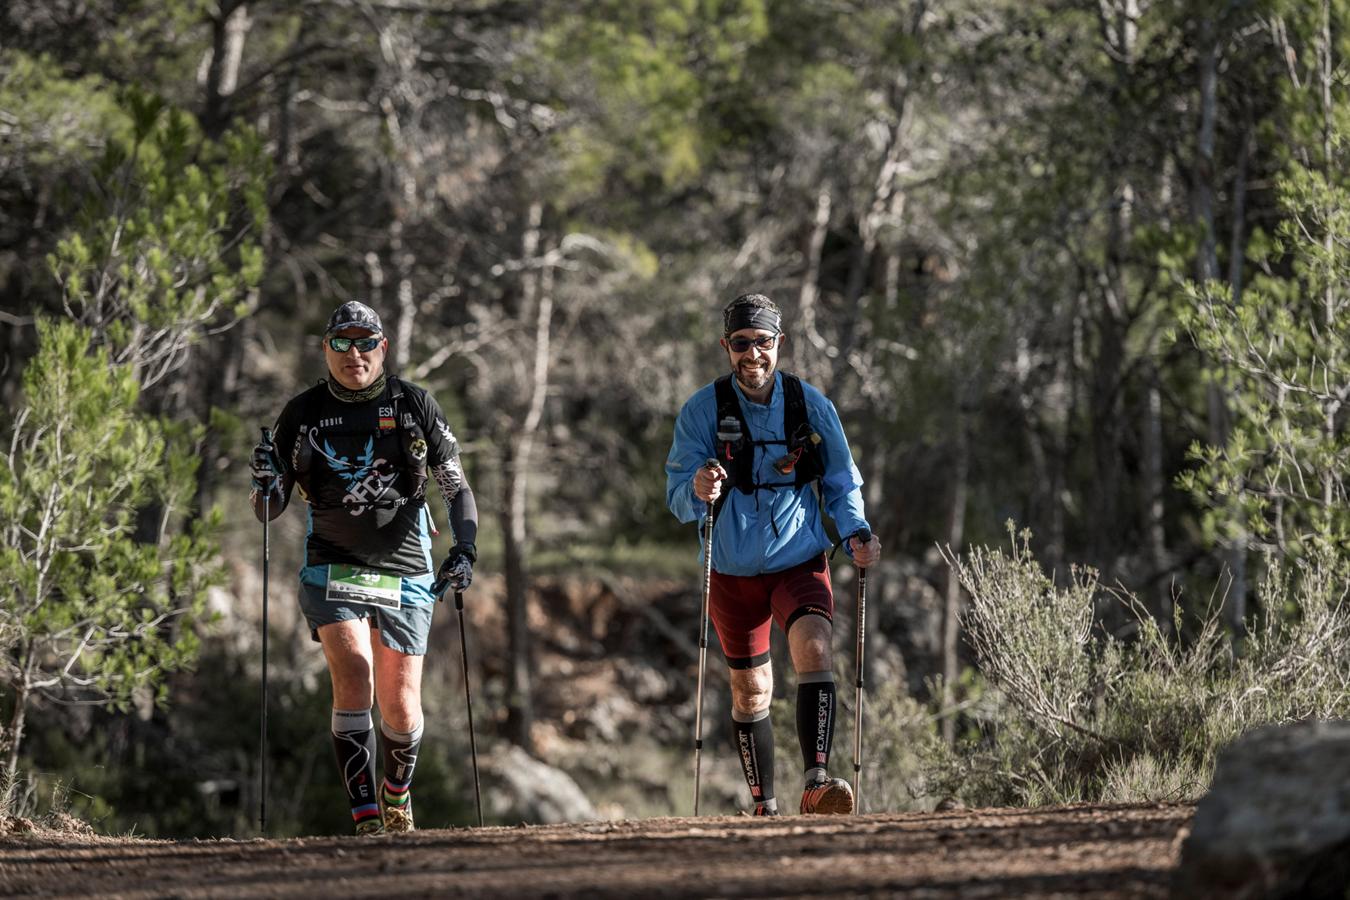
(386, 423)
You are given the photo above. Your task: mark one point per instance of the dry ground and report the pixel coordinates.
(1082, 851)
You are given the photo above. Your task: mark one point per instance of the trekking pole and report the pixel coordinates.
(864, 535)
(262, 744)
(703, 644)
(468, 702)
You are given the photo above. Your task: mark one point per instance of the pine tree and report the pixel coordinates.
(1280, 347)
(89, 613)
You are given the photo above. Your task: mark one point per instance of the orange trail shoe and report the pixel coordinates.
(828, 796)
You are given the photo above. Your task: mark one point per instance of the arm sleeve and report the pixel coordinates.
(690, 449)
(443, 461)
(285, 433)
(841, 487)
(460, 507)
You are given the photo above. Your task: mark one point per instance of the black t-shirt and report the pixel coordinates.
(352, 463)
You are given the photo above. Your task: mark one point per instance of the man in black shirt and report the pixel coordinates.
(360, 446)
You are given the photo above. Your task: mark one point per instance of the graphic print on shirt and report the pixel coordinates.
(364, 480)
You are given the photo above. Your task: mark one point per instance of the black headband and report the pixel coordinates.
(748, 316)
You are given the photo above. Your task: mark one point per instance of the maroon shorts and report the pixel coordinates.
(743, 607)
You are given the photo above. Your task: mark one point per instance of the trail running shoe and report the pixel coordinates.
(369, 827)
(398, 819)
(762, 810)
(829, 796)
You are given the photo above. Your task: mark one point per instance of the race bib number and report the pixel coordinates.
(353, 584)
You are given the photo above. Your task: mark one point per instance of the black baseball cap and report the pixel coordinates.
(353, 314)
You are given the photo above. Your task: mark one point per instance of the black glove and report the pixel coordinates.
(265, 467)
(457, 570)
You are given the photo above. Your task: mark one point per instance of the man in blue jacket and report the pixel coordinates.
(781, 454)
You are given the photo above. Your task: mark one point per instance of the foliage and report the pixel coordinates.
(169, 247)
(56, 113)
(658, 70)
(1279, 349)
(1089, 716)
(94, 611)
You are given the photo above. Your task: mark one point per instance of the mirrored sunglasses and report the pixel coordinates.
(365, 344)
(742, 344)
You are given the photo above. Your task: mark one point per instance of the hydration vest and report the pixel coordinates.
(801, 456)
(413, 441)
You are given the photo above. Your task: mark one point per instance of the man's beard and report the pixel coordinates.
(755, 378)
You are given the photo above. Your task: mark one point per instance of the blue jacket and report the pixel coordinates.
(770, 529)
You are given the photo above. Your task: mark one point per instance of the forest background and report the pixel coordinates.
(1076, 266)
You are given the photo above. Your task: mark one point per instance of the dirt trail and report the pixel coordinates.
(1121, 851)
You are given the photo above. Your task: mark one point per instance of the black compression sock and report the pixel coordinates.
(815, 719)
(754, 745)
(354, 743)
(399, 752)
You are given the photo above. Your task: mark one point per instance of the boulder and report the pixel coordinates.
(532, 791)
(1276, 820)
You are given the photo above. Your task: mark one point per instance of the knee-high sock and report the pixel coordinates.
(399, 751)
(754, 745)
(815, 721)
(354, 741)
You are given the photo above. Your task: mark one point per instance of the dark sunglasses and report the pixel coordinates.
(742, 344)
(365, 344)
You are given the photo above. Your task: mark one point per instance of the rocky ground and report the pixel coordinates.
(1081, 851)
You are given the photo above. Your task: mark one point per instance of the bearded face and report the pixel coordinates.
(753, 354)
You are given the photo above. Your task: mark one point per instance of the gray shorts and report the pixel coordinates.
(404, 629)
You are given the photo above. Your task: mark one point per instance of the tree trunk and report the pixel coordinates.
(217, 369)
(519, 678)
(1325, 68)
(1234, 552)
(1043, 425)
(1154, 487)
(1107, 377)
(407, 304)
(1112, 317)
(14, 733)
(878, 214)
(229, 30)
(1237, 548)
(813, 366)
(537, 291)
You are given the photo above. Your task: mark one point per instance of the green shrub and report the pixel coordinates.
(1080, 715)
